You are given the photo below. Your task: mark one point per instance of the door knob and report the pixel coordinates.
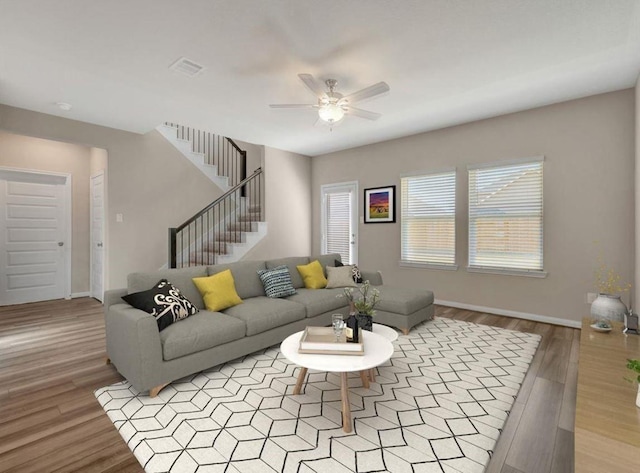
(61, 243)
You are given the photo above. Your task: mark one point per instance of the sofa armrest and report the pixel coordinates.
(113, 296)
(374, 277)
(133, 344)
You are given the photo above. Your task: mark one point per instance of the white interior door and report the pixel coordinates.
(33, 238)
(340, 220)
(97, 236)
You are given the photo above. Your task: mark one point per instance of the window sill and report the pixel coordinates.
(441, 267)
(508, 272)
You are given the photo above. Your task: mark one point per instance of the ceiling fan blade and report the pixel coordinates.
(358, 112)
(371, 91)
(292, 105)
(313, 85)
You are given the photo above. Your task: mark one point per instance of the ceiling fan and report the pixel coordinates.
(332, 106)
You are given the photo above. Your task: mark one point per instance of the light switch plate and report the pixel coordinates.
(119, 218)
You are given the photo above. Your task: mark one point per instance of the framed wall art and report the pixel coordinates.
(380, 205)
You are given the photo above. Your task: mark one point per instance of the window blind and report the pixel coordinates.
(506, 216)
(339, 224)
(428, 229)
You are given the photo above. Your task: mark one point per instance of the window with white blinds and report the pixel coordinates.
(338, 230)
(428, 228)
(505, 217)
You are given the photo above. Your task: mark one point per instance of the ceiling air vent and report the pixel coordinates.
(187, 67)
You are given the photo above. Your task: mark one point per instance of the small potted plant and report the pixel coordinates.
(364, 305)
(608, 306)
(634, 366)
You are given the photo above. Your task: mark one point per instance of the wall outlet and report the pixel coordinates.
(591, 296)
(119, 218)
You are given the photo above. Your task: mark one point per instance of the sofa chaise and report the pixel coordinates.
(150, 359)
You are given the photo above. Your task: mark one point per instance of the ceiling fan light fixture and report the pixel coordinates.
(331, 105)
(331, 113)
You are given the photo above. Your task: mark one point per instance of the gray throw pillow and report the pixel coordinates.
(357, 275)
(340, 277)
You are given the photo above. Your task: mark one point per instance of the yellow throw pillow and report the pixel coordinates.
(312, 275)
(218, 291)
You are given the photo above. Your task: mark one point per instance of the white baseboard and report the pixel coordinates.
(512, 313)
(75, 295)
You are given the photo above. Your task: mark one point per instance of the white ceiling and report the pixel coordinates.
(446, 61)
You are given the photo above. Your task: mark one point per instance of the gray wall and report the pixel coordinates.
(588, 196)
(636, 286)
(149, 182)
(288, 203)
(254, 155)
(24, 152)
(155, 187)
(98, 160)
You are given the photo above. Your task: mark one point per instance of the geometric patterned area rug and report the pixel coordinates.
(438, 405)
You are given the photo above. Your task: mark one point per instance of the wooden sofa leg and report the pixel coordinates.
(153, 392)
(405, 331)
(107, 361)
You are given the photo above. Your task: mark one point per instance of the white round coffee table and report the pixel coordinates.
(387, 332)
(377, 350)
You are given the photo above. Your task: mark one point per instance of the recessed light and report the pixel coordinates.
(64, 106)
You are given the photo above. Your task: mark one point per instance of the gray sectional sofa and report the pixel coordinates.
(150, 359)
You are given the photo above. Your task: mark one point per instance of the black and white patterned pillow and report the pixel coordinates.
(277, 282)
(357, 275)
(164, 301)
(355, 271)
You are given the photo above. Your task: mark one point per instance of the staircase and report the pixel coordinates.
(225, 230)
(217, 157)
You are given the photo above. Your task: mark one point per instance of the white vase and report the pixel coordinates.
(608, 307)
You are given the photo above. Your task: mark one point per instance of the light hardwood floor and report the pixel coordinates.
(52, 358)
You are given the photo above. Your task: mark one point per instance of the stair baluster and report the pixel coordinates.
(219, 151)
(225, 220)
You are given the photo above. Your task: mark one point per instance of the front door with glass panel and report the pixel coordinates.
(340, 220)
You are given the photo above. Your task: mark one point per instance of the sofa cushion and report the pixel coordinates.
(164, 301)
(263, 313)
(218, 291)
(326, 260)
(199, 332)
(292, 264)
(277, 282)
(245, 274)
(180, 278)
(319, 301)
(403, 301)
